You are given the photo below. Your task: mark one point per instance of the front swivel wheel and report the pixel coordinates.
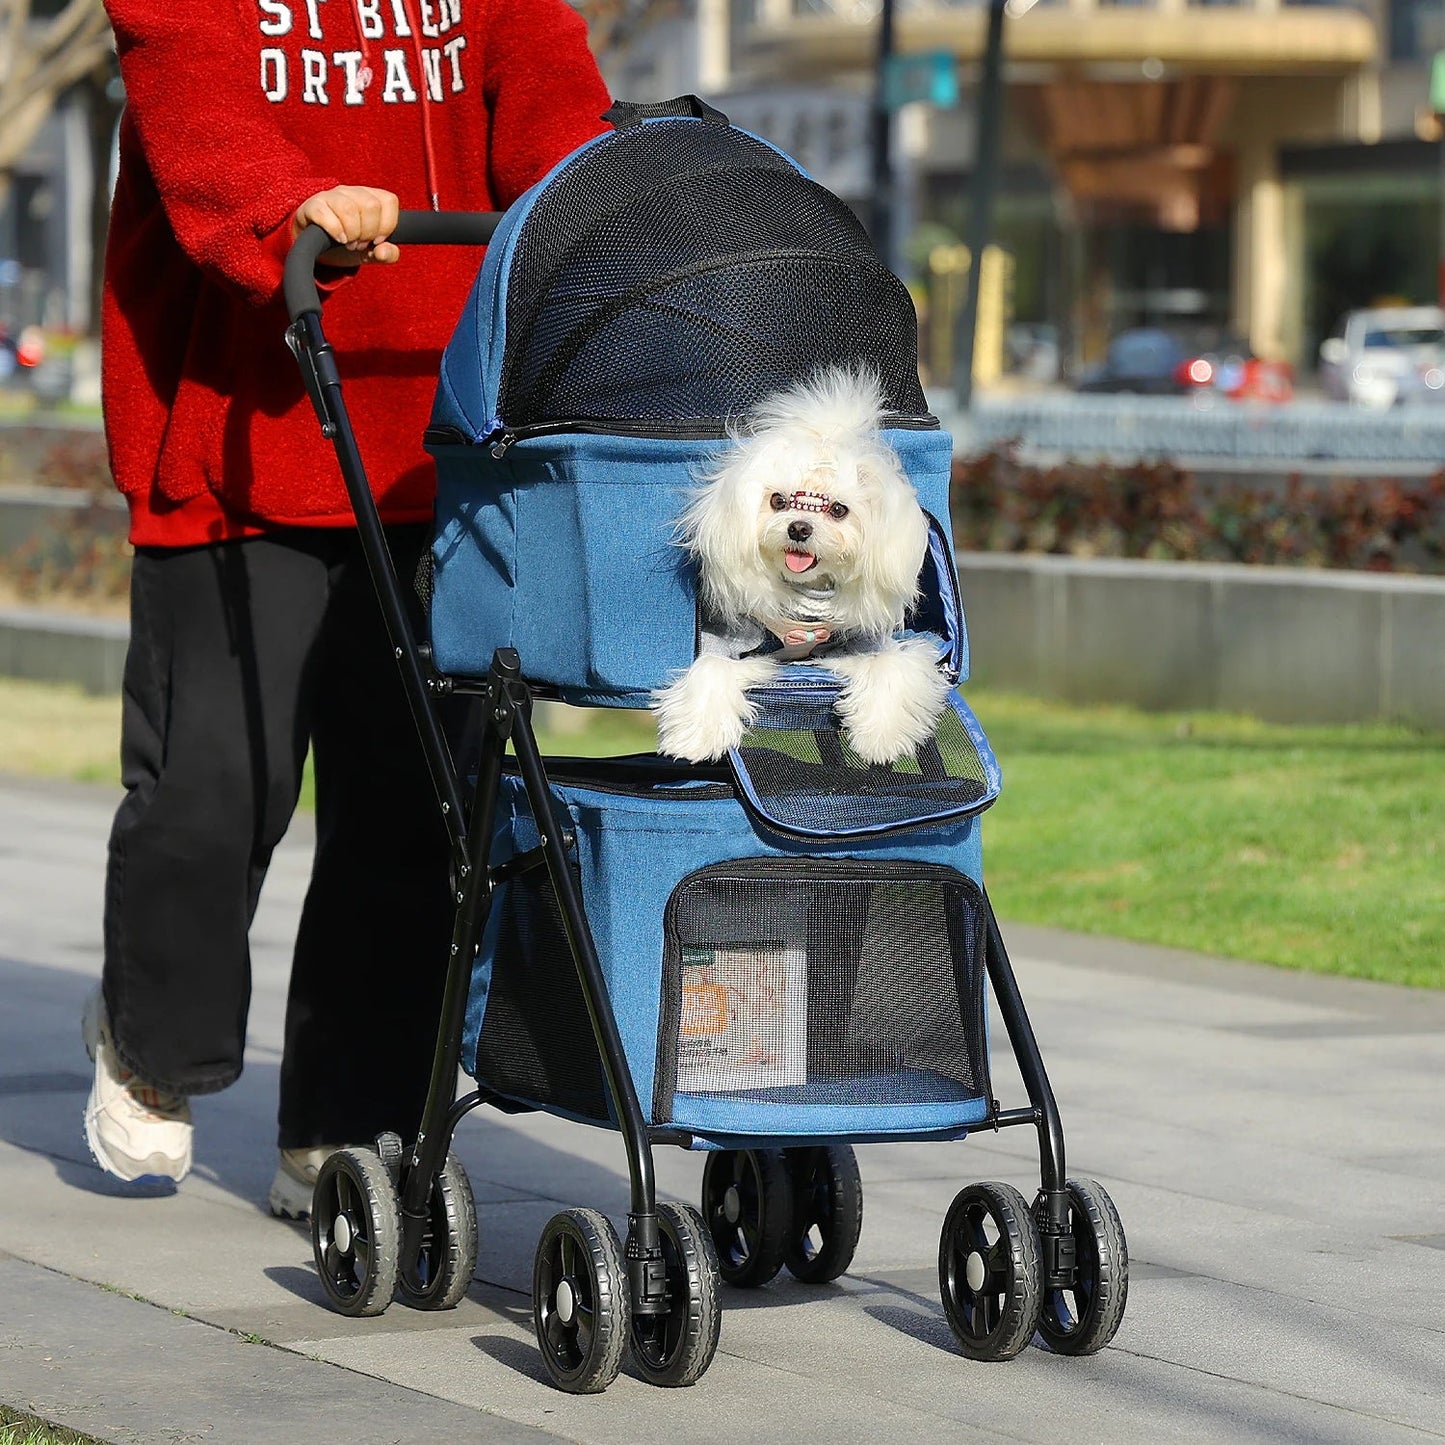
(579, 1301)
(827, 1211)
(1083, 1319)
(442, 1272)
(989, 1271)
(676, 1347)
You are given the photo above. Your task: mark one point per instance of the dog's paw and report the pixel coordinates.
(891, 700)
(707, 710)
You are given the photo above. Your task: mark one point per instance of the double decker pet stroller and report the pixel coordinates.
(770, 960)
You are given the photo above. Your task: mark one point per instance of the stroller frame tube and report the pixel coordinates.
(1051, 1208)
(508, 699)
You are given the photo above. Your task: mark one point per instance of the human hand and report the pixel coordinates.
(358, 218)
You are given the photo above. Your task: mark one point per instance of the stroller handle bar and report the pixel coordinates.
(413, 228)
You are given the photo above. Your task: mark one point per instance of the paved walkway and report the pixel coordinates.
(1274, 1144)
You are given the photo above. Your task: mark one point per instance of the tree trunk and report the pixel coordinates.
(39, 60)
(103, 110)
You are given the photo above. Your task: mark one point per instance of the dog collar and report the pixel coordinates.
(813, 594)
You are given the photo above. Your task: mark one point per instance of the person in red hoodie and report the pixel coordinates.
(254, 630)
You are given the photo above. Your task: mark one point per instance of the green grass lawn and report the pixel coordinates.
(1316, 848)
(18, 1428)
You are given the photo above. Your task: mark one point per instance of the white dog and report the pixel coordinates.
(807, 531)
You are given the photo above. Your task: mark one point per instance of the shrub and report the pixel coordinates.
(82, 553)
(1158, 510)
(78, 460)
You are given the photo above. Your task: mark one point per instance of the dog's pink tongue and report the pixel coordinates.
(799, 561)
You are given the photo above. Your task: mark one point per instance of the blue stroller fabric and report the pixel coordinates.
(565, 548)
(788, 952)
(874, 1016)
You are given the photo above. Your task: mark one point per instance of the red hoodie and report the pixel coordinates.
(237, 111)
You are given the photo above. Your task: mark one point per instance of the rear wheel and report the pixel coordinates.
(827, 1212)
(356, 1232)
(443, 1269)
(747, 1202)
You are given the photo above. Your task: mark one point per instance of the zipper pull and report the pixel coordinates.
(498, 437)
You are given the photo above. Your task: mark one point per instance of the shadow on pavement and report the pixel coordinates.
(303, 1283)
(520, 1356)
(927, 1328)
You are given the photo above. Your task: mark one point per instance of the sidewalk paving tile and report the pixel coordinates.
(1272, 1141)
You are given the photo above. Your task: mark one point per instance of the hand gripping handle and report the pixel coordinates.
(413, 228)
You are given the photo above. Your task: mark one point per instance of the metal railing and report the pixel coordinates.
(861, 12)
(1133, 428)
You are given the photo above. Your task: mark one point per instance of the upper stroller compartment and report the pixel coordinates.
(671, 273)
(632, 307)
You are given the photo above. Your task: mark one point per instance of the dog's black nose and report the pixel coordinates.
(799, 531)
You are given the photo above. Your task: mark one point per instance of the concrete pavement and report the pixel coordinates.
(1273, 1142)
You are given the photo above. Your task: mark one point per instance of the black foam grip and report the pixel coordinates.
(413, 228)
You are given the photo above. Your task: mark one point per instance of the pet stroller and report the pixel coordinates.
(770, 960)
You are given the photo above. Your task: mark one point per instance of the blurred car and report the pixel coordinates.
(30, 346)
(1032, 351)
(1385, 357)
(1423, 387)
(1144, 360)
(1150, 361)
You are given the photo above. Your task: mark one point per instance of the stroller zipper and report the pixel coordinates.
(499, 437)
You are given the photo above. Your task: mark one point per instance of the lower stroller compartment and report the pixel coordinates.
(761, 990)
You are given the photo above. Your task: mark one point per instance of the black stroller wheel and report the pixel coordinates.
(827, 1212)
(579, 1301)
(356, 1232)
(747, 1201)
(438, 1278)
(1082, 1320)
(675, 1348)
(989, 1271)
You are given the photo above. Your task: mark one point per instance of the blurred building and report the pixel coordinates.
(1256, 166)
(46, 244)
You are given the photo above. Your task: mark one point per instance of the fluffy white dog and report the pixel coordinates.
(807, 534)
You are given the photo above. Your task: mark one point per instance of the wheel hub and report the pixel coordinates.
(566, 1301)
(732, 1205)
(975, 1272)
(342, 1234)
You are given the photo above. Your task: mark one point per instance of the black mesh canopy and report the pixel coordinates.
(680, 271)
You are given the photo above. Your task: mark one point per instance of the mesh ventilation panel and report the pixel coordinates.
(823, 982)
(536, 1042)
(797, 773)
(680, 272)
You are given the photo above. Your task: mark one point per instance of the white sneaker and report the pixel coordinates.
(134, 1131)
(295, 1180)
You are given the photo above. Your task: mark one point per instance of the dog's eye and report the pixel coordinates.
(778, 502)
(837, 511)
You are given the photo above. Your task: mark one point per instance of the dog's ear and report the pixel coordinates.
(894, 555)
(721, 526)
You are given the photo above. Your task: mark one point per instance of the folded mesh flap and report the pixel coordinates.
(797, 775)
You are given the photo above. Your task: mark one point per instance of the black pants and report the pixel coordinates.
(241, 654)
